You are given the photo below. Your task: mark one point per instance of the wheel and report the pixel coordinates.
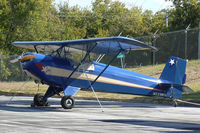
(37, 100)
(67, 102)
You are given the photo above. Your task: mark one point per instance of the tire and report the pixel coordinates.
(67, 102)
(37, 100)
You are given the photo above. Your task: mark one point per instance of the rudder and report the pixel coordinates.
(174, 70)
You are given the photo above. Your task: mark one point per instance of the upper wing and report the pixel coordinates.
(106, 45)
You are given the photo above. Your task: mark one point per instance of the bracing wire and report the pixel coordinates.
(16, 92)
(94, 92)
(192, 103)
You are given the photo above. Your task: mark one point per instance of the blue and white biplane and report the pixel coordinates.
(60, 73)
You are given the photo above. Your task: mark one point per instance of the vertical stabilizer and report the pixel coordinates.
(174, 71)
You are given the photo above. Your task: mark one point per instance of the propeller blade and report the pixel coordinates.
(15, 60)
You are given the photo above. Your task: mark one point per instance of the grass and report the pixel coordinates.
(193, 81)
(30, 88)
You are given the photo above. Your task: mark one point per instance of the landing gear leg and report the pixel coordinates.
(175, 104)
(40, 100)
(67, 102)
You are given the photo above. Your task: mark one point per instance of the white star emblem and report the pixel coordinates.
(171, 62)
(45, 69)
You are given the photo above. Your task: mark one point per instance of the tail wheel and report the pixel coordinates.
(37, 100)
(67, 102)
(175, 104)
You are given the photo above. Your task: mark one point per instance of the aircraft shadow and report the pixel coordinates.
(28, 109)
(25, 106)
(191, 127)
(112, 104)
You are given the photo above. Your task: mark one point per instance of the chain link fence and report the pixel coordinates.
(183, 44)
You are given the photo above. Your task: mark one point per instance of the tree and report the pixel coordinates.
(73, 21)
(185, 12)
(19, 17)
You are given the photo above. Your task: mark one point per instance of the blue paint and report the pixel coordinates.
(70, 90)
(172, 74)
(106, 45)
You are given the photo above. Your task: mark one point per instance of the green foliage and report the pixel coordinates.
(22, 20)
(4, 70)
(9, 71)
(185, 12)
(41, 20)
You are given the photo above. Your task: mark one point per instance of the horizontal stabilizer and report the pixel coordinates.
(187, 89)
(183, 87)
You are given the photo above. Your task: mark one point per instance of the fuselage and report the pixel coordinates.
(55, 71)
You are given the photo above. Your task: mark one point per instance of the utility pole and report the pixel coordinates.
(186, 40)
(199, 43)
(166, 19)
(153, 44)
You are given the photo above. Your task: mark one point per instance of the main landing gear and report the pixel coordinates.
(67, 102)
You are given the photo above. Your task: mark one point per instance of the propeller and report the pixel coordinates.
(16, 59)
(23, 58)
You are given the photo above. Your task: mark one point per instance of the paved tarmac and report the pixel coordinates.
(87, 117)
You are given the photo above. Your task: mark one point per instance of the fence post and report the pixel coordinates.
(199, 43)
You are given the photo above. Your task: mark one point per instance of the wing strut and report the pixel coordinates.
(100, 57)
(35, 47)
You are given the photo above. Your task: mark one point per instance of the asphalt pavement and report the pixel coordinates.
(87, 117)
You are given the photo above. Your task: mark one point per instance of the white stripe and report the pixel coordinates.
(59, 72)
